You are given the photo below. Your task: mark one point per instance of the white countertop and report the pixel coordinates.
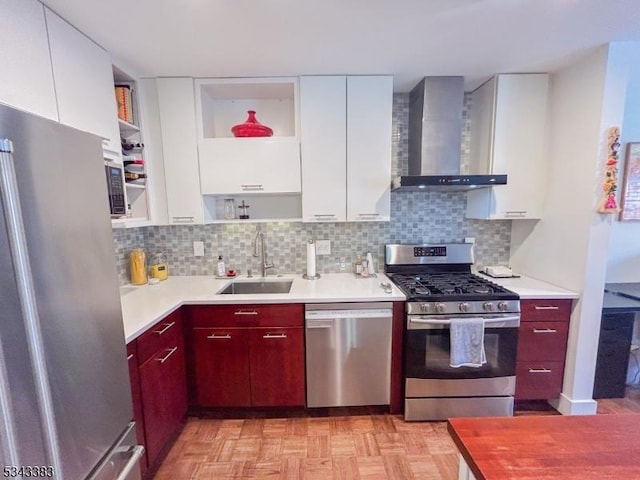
(528, 287)
(145, 305)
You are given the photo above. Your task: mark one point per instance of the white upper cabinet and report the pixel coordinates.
(257, 165)
(249, 165)
(508, 131)
(323, 146)
(369, 118)
(83, 83)
(346, 147)
(26, 81)
(176, 105)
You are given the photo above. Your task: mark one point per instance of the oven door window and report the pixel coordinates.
(428, 355)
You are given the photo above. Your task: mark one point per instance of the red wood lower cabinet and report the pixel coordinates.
(277, 366)
(542, 347)
(221, 364)
(246, 355)
(163, 388)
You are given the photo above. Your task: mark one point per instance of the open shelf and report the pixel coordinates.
(127, 128)
(223, 103)
(262, 208)
(130, 132)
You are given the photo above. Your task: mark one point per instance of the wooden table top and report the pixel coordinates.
(550, 447)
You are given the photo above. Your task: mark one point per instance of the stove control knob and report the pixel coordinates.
(464, 307)
(440, 307)
(425, 307)
(503, 306)
(488, 307)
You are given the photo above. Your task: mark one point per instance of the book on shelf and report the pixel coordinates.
(124, 99)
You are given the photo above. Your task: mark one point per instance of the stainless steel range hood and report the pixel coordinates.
(435, 135)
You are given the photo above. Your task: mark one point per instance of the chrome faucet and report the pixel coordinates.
(264, 265)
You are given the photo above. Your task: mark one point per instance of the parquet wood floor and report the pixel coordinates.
(344, 447)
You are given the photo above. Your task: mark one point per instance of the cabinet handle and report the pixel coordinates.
(213, 336)
(183, 219)
(245, 312)
(515, 213)
(539, 370)
(129, 357)
(275, 335)
(544, 330)
(167, 326)
(541, 307)
(320, 216)
(368, 214)
(166, 357)
(252, 187)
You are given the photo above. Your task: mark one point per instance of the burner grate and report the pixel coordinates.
(448, 285)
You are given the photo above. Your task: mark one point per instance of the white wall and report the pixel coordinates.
(568, 247)
(623, 263)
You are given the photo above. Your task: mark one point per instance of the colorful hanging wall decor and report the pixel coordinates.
(610, 185)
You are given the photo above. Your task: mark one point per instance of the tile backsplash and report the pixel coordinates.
(416, 217)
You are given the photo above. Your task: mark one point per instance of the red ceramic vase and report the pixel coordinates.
(251, 128)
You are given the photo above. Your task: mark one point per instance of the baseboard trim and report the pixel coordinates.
(568, 406)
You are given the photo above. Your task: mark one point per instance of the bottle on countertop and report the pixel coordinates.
(222, 269)
(358, 265)
(365, 269)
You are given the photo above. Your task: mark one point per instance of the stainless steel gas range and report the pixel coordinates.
(440, 287)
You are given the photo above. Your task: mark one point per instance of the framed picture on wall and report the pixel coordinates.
(630, 198)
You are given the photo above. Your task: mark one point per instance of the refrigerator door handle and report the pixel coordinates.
(26, 292)
(137, 452)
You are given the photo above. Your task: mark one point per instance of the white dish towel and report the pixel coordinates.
(467, 342)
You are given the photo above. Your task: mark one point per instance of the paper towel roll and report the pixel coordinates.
(311, 259)
(372, 270)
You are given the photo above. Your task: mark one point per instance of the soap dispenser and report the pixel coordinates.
(222, 270)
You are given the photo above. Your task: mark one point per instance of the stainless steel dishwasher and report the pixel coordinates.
(348, 354)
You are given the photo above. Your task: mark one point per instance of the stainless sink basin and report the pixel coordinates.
(257, 286)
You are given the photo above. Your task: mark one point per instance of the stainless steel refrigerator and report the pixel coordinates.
(65, 398)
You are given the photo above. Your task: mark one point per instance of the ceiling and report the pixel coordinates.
(407, 38)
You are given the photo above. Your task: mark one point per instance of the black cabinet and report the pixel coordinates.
(616, 330)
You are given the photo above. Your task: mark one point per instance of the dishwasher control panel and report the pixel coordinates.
(329, 314)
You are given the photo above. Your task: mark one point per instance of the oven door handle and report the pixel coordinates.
(429, 321)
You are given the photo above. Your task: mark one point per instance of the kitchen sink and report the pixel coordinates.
(257, 286)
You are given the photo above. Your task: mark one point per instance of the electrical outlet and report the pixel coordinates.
(198, 249)
(469, 239)
(323, 247)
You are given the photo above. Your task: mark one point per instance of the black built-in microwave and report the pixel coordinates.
(115, 188)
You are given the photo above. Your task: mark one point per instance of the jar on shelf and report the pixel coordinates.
(229, 209)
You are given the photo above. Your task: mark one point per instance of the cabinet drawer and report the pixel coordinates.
(542, 341)
(537, 380)
(545, 310)
(165, 334)
(289, 315)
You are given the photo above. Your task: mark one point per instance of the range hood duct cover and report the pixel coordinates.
(435, 136)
